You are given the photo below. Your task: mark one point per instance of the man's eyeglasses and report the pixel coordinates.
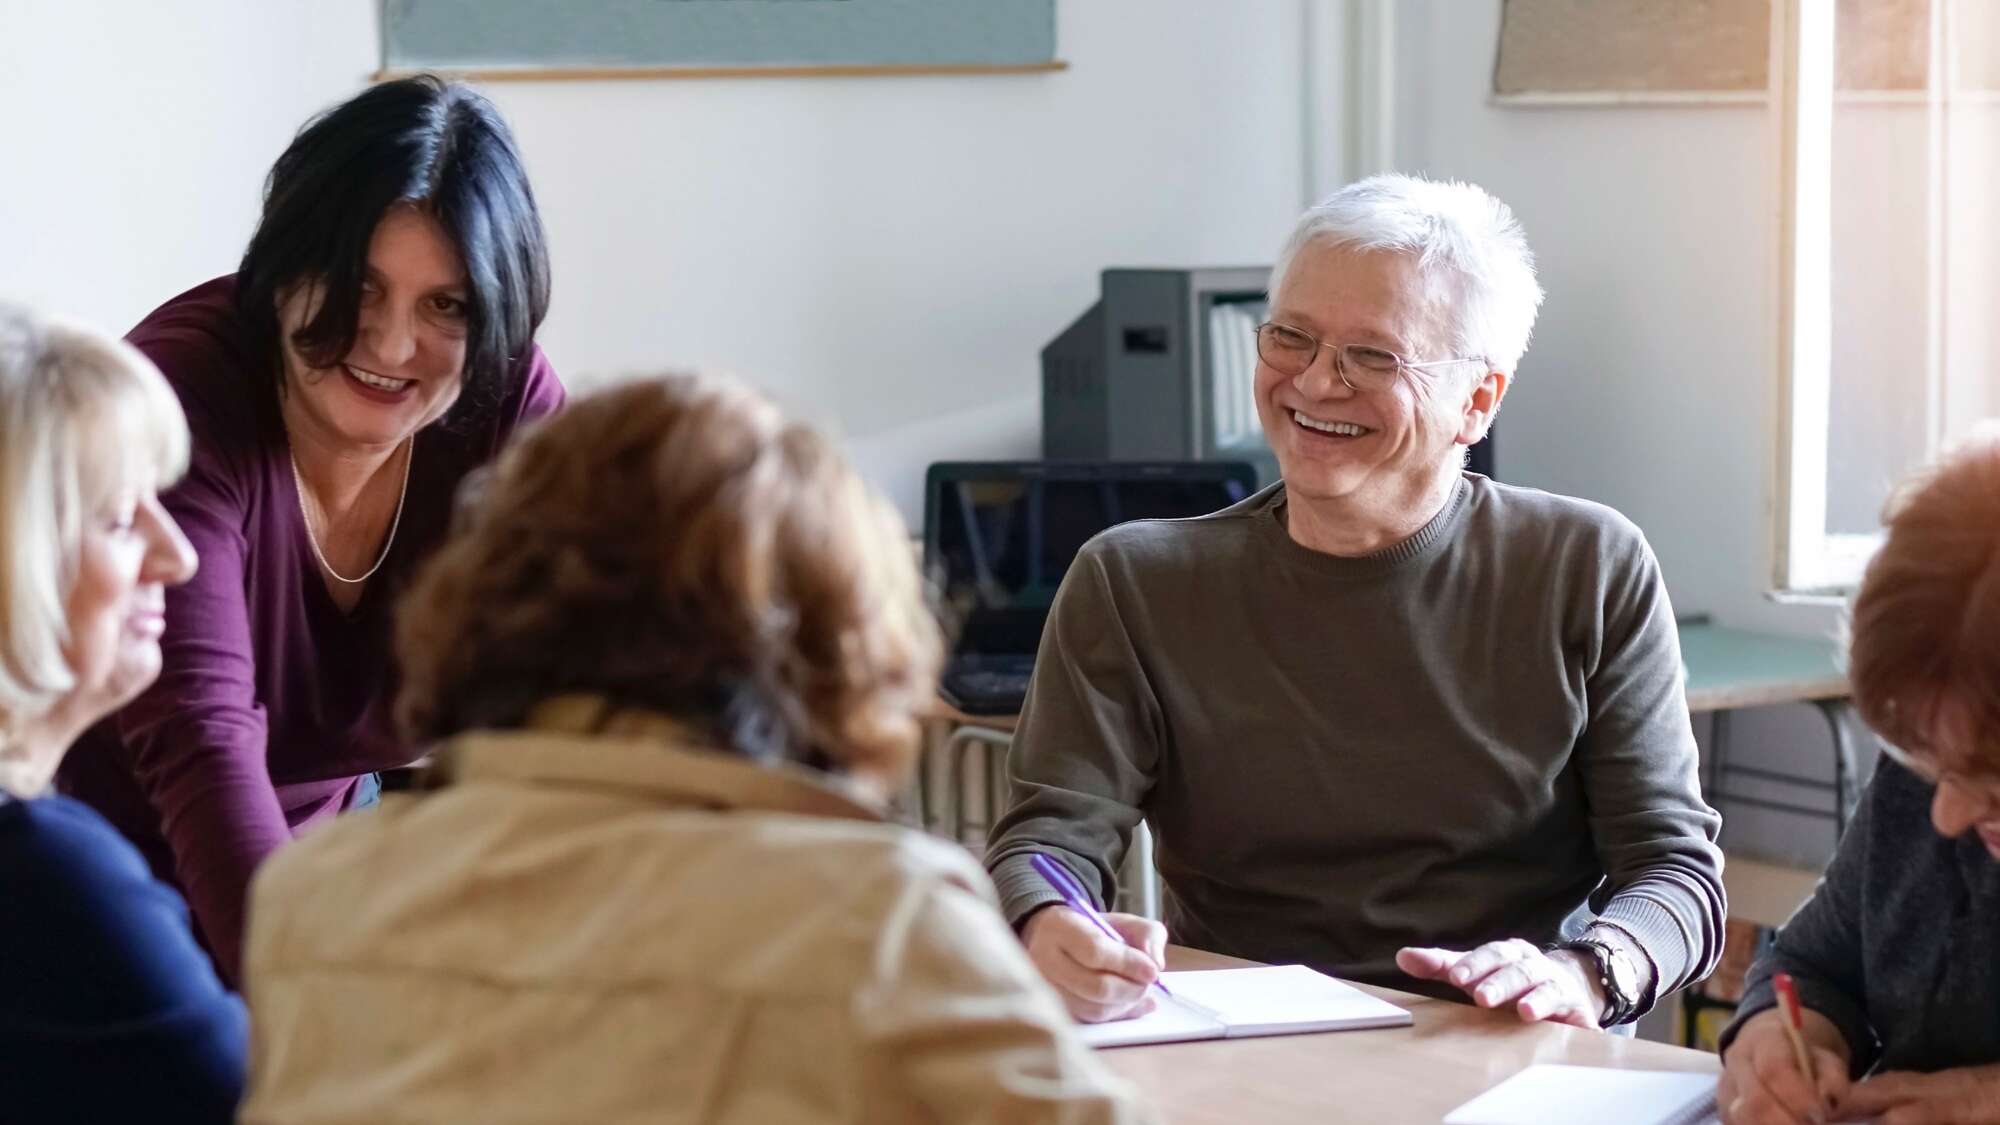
(1290, 351)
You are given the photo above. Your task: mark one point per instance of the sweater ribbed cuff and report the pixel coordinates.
(1624, 939)
(1660, 933)
(1022, 890)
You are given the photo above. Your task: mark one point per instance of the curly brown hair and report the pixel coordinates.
(676, 544)
(1925, 627)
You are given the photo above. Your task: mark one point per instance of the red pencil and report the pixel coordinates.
(1795, 1030)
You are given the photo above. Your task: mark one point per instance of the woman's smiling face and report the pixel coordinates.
(407, 365)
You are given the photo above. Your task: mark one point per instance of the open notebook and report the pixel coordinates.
(1547, 1094)
(1237, 1003)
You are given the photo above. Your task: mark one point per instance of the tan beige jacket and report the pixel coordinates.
(618, 927)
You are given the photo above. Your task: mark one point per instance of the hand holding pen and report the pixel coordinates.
(1786, 1066)
(1795, 1034)
(1104, 966)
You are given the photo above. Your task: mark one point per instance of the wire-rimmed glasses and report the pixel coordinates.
(1290, 351)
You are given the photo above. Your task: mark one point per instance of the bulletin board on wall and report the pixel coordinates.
(701, 38)
(1562, 51)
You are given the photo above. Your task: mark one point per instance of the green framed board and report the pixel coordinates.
(525, 38)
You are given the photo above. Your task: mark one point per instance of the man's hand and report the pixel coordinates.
(1966, 1095)
(1540, 986)
(1761, 1083)
(1098, 979)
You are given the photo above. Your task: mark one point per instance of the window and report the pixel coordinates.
(1889, 260)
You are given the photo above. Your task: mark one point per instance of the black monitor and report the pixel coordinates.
(1163, 366)
(1000, 535)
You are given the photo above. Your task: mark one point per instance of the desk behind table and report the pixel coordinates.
(1728, 669)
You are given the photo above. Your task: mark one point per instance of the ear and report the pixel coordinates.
(1481, 404)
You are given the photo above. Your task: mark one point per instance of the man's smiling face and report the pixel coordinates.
(1365, 448)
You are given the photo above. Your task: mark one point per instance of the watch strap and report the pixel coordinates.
(1619, 1005)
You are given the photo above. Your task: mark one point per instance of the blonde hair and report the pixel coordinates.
(82, 414)
(1925, 626)
(676, 544)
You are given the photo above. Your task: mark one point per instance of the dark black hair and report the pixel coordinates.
(424, 141)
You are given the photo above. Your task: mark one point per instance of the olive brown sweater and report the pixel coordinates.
(1479, 733)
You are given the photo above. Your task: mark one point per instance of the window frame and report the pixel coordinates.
(1809, 562)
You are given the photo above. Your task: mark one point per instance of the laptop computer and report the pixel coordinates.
(1000, 535)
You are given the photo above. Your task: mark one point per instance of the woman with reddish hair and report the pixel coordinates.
(673, 657)
(1894, 956)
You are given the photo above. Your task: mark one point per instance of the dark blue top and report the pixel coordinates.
(109, 1010)
(1896, 945)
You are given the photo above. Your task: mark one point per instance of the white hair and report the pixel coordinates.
(1469, 248)
(81, 413)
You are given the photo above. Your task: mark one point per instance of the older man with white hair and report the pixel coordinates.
(1386, 718)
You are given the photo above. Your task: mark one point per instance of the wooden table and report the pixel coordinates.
(1413, 1074)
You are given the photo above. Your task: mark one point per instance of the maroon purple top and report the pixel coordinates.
(271, 702)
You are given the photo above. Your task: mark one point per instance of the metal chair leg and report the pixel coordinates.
(1846, 782)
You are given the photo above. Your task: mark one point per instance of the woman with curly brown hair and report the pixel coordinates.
(1894, 955)
(674, 654)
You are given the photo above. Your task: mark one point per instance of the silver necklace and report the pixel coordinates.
(299, 482)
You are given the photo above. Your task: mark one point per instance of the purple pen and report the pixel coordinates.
(1076, 898)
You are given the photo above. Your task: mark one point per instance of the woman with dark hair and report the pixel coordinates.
(375, 345)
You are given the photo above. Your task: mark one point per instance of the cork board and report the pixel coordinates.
(1689, 48)
(1633, 46)
(1883, 44)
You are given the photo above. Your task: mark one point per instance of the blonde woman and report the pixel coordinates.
(674, 652)
(110, 1012)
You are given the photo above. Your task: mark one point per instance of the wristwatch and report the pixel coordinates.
(1616, 974)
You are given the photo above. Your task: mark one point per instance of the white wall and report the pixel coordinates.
(135, 137)
(1651, 384)
(887, 255)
